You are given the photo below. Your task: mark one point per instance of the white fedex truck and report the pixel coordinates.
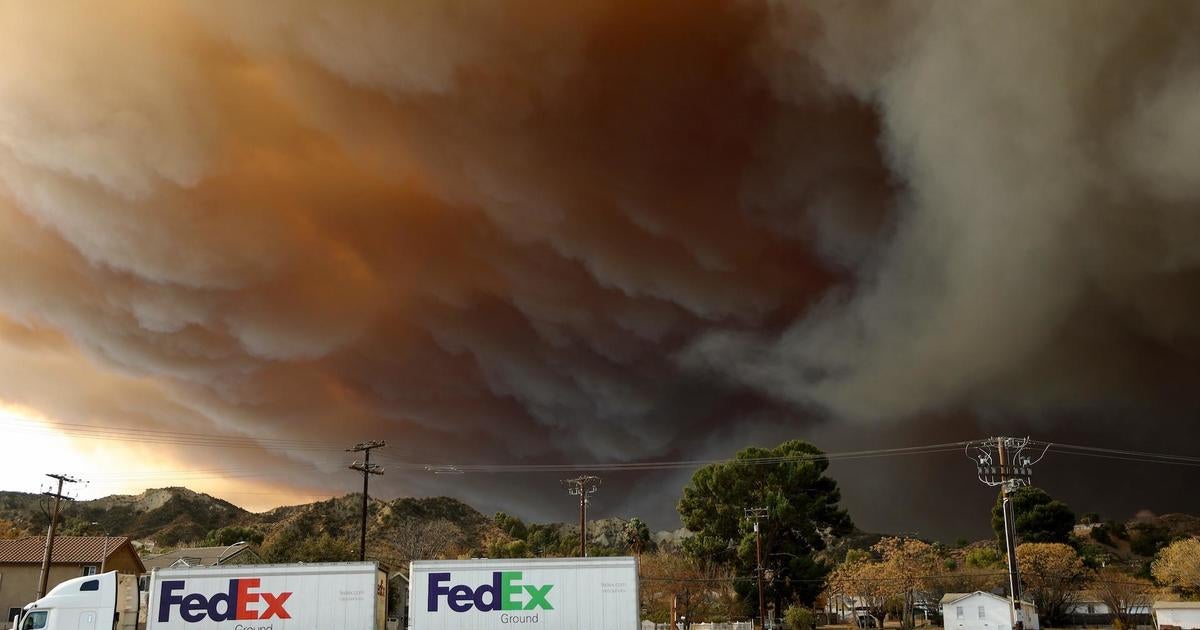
(525, 594)
(333, 596)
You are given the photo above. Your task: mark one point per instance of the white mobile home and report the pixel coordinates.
(985, 611)
(1177, 615)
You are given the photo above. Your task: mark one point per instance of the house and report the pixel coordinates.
(21, 565)
(985, 611)
(1089, 609)
(1177, 615)
(237, 553)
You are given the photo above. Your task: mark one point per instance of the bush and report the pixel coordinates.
(799, 618)
(1148, 539)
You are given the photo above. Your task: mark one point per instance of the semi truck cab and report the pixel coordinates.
(107, 601)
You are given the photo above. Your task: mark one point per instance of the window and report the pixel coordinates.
(982, 612)
(90, 569)
(12, 614)
(958, 611)
(1091, 609)
(90, 585)
(35, 620)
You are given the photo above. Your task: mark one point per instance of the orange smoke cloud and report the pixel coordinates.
(596, 230)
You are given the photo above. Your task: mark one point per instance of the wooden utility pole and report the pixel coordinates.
(1007, 463)
(58, 496)
(367, 469)
(758, 514)
(582, 487)
(1010, 536)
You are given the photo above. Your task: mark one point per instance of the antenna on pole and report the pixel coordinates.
(582, 487)
(1007, 463)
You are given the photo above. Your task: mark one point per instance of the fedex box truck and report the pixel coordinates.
(333, 596)
(524, 594)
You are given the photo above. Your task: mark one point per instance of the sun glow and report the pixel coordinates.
(35, 448)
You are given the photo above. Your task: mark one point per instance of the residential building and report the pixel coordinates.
(21, 565)
(1089, 609)
(237, 553)
(985, 611)
(1177, 615)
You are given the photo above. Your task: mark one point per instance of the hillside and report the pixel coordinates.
(401, 529)
(398, 530)
(166, 516)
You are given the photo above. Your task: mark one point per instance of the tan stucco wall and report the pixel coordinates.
(18, 583)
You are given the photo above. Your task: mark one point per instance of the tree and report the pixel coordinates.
(1038, 517)
(226, 536)
(417, 539)
(9, 529)
(637, 536)
(1052, 574)
(1148, 539)
(803, 511)
(511, 525)
(701, 590)
(1123, 594)
(290, 546)
(1178, 566)
(325, 548)
(983, 558)
(908, 564)
(863, 581)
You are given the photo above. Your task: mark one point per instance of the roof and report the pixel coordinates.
(950, 598)
(1192, 605)
(67, 549)
(197, 556)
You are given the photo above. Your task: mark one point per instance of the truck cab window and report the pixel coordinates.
(90, 585)
(35, 620)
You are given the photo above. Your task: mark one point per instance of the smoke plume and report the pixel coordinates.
(600, 231)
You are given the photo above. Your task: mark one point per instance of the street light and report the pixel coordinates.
(221, 556)
(103, 554)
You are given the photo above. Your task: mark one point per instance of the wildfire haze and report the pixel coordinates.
(603, 231)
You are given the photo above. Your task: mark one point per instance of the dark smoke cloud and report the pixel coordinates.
(605, 231)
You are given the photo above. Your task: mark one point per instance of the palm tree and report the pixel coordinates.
(637, 535)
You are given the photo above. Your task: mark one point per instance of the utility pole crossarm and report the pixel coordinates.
(370, 469)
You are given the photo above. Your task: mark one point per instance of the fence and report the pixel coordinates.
(733, 625)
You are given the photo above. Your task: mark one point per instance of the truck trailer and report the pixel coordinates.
(524, 594)
(324, 596)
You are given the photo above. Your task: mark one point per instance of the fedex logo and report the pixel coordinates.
(500, 594)
(234, 604)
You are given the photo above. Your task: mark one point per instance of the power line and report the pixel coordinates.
(153, 436)
(673, 465)
(1119, 454)
(208, 440)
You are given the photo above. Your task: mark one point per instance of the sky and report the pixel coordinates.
(237, 238)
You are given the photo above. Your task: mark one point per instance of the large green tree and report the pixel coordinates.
(802, 506)
(1039, 517)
